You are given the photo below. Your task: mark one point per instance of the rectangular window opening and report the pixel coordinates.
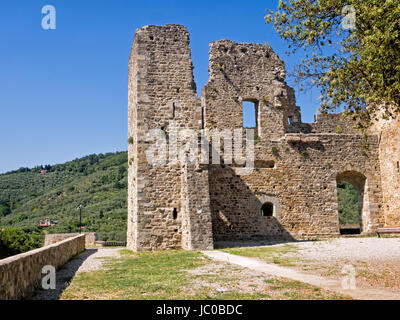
(250, 115)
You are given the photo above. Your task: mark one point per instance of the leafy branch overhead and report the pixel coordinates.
(351, 52)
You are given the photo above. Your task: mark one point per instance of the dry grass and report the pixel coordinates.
(284, 255)
(183, 275)
(369, 274)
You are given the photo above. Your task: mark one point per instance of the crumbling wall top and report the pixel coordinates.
(248, 61)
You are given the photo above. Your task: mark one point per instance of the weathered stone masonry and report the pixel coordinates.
(297, 164)
(21, 275)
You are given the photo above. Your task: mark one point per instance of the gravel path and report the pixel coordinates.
(351, 249)
(95, 261)
(315, 280)
(375, 262)
(89, 260)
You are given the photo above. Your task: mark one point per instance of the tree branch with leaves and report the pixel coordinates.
(357, 68)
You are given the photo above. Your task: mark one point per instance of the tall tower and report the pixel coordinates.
(162, 205)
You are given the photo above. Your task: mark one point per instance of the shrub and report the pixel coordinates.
(15, 241)
(4, 209)
(364, 153)
(304, 153)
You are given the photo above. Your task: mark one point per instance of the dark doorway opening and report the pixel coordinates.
(349, 208)
(267, 209)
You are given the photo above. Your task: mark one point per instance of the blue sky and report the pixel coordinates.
(63, 92)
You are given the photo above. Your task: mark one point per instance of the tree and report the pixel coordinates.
(4, 208)
(14, 241)
(351, 50)
(347, 204)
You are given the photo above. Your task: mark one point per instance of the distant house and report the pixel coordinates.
(43, 171)
(47, 222)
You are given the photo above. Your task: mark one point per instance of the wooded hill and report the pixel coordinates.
(97, 182)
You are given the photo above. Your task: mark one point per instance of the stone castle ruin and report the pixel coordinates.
(292, 191)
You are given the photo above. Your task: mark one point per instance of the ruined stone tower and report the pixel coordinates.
(162, 89)
(292, 191)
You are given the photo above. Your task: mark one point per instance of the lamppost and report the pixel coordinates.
(80, 218)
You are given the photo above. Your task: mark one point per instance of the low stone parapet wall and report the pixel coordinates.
(21, 275)
(90, 238)
(111, 243)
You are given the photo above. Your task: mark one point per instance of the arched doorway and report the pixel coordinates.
(351, 202)
(267, 209)
(268, 206)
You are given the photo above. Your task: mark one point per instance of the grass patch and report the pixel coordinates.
(180, 275)
(147, 275)
(295, 290)
(153, 276)
(278, 285)
(284, 255)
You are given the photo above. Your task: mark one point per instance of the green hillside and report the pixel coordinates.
(97, 182)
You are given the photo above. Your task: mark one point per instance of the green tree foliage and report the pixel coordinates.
(348, 204)
(15, 241)
(355, 68)
(4, 208)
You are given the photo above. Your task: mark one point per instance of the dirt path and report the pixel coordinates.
(89, 260)
(328, 284)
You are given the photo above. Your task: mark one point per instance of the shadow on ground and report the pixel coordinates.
(261, 243)
(64, 276)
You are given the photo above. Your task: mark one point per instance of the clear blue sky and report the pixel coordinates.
(63, 92)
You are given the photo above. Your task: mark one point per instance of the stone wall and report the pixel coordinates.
(20, 275)
(302, 184)
(90, 238)
(247, 72)
(196, 212)
(307, 162)
(389, 156)
(297, 165)
(161, 90)
(324, 123)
